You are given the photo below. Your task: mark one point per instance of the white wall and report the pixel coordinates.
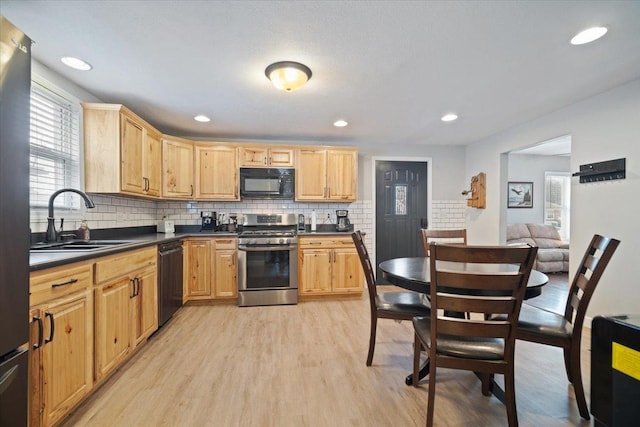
(604, 127)
(531, 168)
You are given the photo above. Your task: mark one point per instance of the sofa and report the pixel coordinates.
(553, 252)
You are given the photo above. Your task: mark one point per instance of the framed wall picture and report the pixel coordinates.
(520, 195)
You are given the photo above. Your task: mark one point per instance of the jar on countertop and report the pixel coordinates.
(83, 232)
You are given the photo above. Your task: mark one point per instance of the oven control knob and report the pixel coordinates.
(282, 241)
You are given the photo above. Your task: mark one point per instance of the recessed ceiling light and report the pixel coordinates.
(76, 64)
(589, 35)
(449, 117)
(340, 123)
(202, 118)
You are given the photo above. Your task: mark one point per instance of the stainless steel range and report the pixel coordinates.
(268, 260)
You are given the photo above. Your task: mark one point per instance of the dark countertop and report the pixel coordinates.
(44, 260)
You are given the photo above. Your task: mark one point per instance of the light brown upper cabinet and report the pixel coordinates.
(122, 152)
(256, 156)
(177, 168)
(326, 174)
(216, 174)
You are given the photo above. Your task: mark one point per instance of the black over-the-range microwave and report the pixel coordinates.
(268, 183)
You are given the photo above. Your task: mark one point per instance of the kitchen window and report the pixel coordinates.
(54, 147)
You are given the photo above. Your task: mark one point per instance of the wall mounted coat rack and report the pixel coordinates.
(602, 171)
(477, 193)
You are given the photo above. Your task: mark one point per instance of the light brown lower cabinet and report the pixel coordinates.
(126, 310)
(211, 268)
(61, 340)
(329, 266)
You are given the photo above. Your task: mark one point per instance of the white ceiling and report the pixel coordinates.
(390, 68)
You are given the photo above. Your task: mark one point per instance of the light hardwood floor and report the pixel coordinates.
(304, 365)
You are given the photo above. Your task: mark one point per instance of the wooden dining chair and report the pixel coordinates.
(442, 236)
(387, 305)
(477, 344)
(545, 327)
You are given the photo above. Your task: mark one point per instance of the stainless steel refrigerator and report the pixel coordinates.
(15, 85)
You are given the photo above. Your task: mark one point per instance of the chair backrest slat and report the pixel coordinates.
(470, 328)
(367, 268)
(504, 281)
(450, 236)
(589, 272)
(472, 304)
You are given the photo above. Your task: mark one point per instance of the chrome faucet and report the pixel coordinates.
(52, 234)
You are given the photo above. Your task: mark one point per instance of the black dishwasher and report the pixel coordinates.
(169, 280)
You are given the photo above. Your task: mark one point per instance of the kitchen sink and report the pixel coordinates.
(78, 245)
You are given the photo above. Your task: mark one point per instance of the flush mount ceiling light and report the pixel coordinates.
(449, 117)
(588, 35)
(202, 118)
(340, 123)
(288, 75)
(75, 63)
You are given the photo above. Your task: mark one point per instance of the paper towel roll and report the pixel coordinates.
(313, 221)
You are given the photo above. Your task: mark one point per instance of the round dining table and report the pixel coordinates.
(414, 274)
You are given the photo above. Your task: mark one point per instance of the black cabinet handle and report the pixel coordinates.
(53, 327)
(69, 282)
(40, 332)
(137, 282)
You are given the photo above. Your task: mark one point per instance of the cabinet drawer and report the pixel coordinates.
(55, 282)
(225, 243)
(114, 266)
(326, 242)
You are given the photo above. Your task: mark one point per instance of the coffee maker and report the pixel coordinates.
(208, 221)
(342, 220)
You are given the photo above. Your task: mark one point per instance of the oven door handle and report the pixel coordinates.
(267, 248)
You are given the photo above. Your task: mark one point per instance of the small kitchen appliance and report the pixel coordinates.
(301, 223)
(342, 220)
(208, 221)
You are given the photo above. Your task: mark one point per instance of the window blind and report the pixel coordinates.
(54, 148)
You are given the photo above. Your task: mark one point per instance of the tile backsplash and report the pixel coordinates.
(115, 211)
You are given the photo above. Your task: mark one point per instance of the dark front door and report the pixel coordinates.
(401, 209)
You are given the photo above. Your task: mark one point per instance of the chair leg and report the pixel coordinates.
(576, 375)
(432, 391)
(487, 381)
(567, 362)
(372, 339)
(510, 397)
(417, 348)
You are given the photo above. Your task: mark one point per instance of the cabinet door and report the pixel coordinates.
(226, 282)
(199, 269)
(36, 335)
(67, 360)
(281, 157)
(217, 173)
(311, 174)
(145, 305)
(342, 175)
(315, 271)
(131, 149)
(112, 324)
(254, 156)
(347, 271)
(152, 163)
(177, 169)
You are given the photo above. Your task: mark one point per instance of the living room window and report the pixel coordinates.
(54, 147)
(557, 201)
